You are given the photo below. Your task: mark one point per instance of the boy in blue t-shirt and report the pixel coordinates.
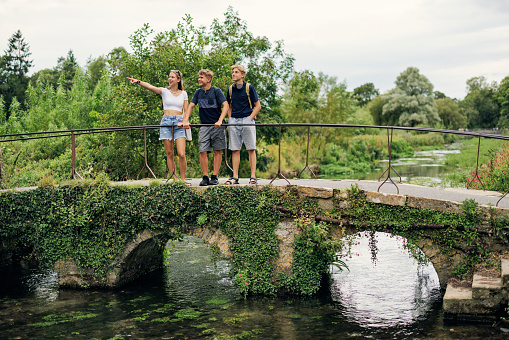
(243, 109)
(209, 100)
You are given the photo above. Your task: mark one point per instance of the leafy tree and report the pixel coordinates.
(95, 69)
(15, 65)
(365, 93)
(502, 96)
(318, 99)
(451, 114)
(376, 109)
(115, 58)
(439, 95)
(49, 75)
(411, 103)
(480, 104)
(66, 68)
(301, 98)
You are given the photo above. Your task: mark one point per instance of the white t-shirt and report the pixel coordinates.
(171, 102)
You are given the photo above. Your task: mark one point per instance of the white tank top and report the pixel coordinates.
(171, 102)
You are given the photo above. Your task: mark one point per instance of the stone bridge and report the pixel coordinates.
(486, 296)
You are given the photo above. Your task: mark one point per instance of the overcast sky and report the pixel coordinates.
(357, 41)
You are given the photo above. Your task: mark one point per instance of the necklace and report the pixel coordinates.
(174, 93)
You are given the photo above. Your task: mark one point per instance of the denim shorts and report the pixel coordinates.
(166, 133)
(242, 134)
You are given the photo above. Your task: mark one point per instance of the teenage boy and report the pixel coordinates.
(244, 106)
(209, 100)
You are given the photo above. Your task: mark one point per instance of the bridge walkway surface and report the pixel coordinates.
(445, 194)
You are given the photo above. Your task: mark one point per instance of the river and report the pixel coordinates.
(424, 168)
(193, 298)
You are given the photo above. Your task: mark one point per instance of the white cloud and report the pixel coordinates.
(360, 41)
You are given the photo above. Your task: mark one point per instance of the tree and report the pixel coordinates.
(411, 103)
(49, 75)
(502, 96)
(376, 109)
(317, 99)
(95, 69)
(15, 65)
(480, 103)
(365, 93)
(451, 114)
(66, 68)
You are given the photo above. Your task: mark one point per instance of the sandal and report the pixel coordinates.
(232, 180)
(253, 181)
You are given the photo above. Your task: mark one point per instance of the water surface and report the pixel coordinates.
(193, 298)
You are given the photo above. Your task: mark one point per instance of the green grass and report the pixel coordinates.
(467, 158)
(465, 161)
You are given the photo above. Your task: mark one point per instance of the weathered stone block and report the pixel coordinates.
(383, 198)
(215, 237)
(435, 204)
(459, 301)
(326, 204)
(314, 192)
(505, 272)
(487, 290)
(286, 232)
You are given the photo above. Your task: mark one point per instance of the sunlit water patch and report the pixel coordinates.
(391, 291)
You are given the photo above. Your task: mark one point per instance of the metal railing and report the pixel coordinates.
(389, 129)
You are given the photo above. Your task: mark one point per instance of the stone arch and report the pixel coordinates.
(141, 255)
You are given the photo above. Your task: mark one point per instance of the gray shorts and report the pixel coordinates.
(242, 134)
(212, 138)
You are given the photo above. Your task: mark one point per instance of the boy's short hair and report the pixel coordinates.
(240, 68)
(206, 72)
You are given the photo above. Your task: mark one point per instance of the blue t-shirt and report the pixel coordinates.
(209, 104)
(240, 106)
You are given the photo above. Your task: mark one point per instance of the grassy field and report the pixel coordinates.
(465, 162)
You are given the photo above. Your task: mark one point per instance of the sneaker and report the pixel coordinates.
(205, 181)
(213, 180)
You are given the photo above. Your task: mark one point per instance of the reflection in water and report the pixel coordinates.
(394, 291)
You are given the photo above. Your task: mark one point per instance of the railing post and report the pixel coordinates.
(279, 174)
(73, 156)
(307, 157)
(226, 152)
(477, 168)
(1, 163)
(146, 157)
(388, 170)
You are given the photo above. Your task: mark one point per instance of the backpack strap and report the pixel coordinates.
(230, 89)
(249, 97)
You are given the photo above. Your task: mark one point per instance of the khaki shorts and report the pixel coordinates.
(242, 134)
